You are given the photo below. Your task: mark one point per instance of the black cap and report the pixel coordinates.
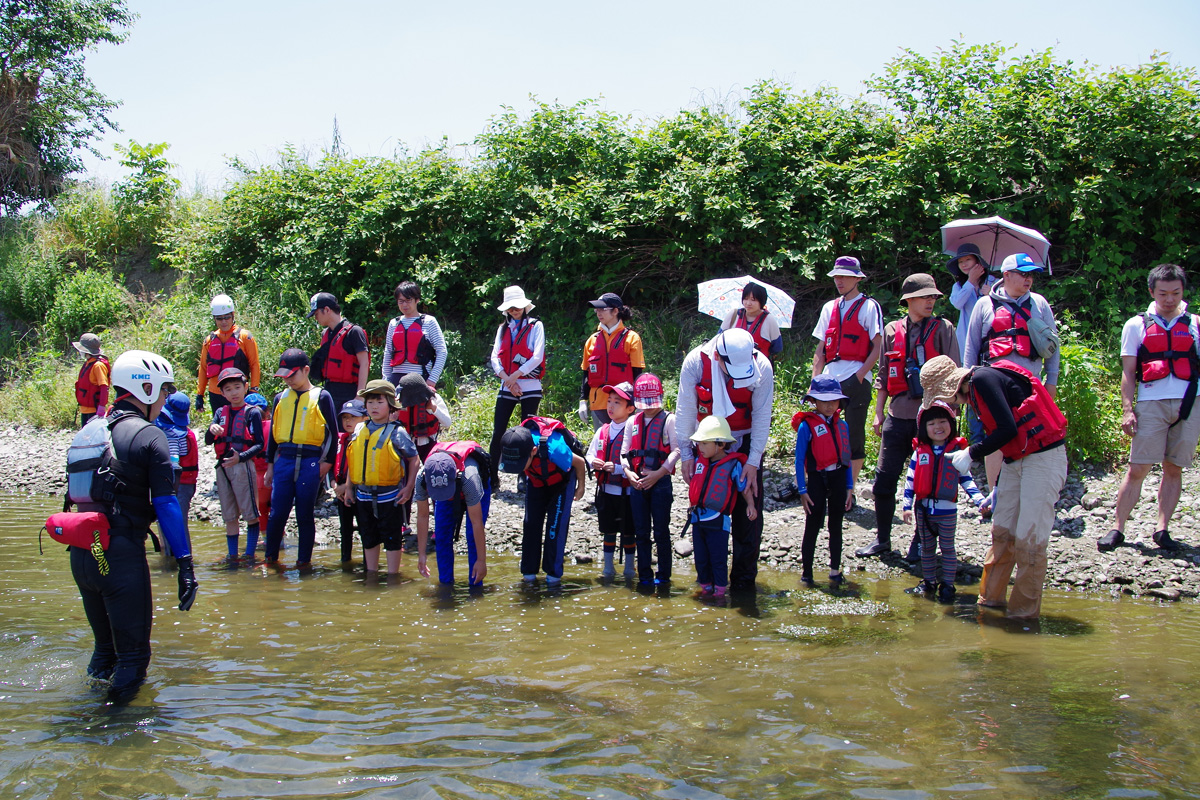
(607, 300)
(321, 300)
(515, 446)
(292, 359)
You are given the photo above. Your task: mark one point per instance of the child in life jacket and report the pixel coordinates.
(456, 478)
(351, 416)
(716, 481)
(823, 473)
(649, 453)
(261, 487)
(237, 437)
(381, 468)
(185, 458)
(931, 490)
(545, 451)
(613, 512)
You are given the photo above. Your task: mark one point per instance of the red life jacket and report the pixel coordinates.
(237, 432)
(847, 339)
(341, 366)
(419, 422)
(713, 485)
(542, 471)
(646, 441)
(610, 451)
(826, 447)
(460, 451)
(1166, 351)
(934, 476)
(87, 394)
(339, 461)
(226, 354)
(897, 357)
(742, 399)
(405, 342)
(1010, 331)
(609, 365)
(514, 352)
(1040, 423)
(755, 329)
(189, 462)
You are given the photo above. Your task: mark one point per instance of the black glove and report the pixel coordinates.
(199, 402)
(188, 585)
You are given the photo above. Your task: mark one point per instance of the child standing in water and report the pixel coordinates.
(237, 436)
(716, 481)
(931, 487)
(823, 473)
(262, 488)
(649, 453)
(613, 513)
(351, 415)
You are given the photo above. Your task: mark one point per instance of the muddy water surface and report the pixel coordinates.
(327, 686)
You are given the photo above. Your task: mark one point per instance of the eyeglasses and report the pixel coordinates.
(224, 318)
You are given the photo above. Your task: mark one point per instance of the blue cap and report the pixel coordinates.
(177, 407)
(825, 387)
(441, 477)
(1021, 262)
(256, 399)
(355, 407)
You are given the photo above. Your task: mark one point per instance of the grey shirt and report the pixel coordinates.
(981, 321)
(472, 484)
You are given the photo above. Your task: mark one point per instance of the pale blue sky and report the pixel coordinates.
(224, 78)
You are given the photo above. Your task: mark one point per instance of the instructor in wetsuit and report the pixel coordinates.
(140, 481)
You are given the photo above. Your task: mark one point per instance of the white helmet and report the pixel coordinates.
(222, 304)
(142, 374)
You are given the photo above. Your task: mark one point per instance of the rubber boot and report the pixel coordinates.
(251, 540)
(875, 548)
(609, 570)
(945, 593)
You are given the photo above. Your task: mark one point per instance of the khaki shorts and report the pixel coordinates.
(235, 487)
(1156, 441)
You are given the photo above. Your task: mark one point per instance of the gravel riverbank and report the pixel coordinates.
(31, 462)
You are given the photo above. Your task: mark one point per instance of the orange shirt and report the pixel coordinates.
(598, 398)
(249, 347)
(98, 375)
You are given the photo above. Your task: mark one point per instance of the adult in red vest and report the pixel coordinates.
(1159, 365)
(230, 345)
(727, 377)
(611, 355)
(91, 385)
(909, 342)
(414, 341)
(519, 361)
(1021, 421)
(342, 361)
(753, 316)
(849, 336)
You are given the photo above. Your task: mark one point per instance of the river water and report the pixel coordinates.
(322, 685)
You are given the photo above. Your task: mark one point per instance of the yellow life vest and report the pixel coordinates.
(372, 459)
(298, 418)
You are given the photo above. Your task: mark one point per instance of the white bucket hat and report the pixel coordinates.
(514, 297)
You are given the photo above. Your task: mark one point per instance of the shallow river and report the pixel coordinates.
(324, 686)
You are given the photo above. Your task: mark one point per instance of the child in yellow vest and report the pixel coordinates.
(381, 466)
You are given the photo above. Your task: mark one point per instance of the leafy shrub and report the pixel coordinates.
(1089, 394)
(86, 301)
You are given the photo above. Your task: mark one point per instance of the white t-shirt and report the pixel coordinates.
(1170, 387)
(870, 316)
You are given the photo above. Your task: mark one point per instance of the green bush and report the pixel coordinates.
(86, 301)
(1089, 394)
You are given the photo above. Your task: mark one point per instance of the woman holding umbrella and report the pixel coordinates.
(754, 317)
(971, 282)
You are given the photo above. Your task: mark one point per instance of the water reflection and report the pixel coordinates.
(334, 684)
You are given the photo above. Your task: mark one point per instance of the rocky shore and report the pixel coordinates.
(31, 462)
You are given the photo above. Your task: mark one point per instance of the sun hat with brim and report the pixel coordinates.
(413, 390)
(514, 297)
(177, 407)
(824, 387)
(230, 374)
(712, 429)
(847, 266)
(441, 477)
(382, 388)
(940, 379)
(965, 249)
(1021, 262)
(735, 348)
(88, 344)
(515, 446)
(919, 284)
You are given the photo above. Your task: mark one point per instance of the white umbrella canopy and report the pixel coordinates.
(721, 295)
(996, 238)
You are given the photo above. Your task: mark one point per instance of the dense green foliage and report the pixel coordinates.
(49, 107)
(571, 201)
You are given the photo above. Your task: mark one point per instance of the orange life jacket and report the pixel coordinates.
(226, 354)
